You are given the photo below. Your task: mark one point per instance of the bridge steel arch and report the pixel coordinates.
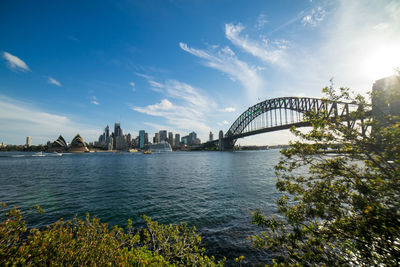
(298, 105)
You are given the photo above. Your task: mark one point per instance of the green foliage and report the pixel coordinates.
(177, 243)
(88, 242)
(346, 209)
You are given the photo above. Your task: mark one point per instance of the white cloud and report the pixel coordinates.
(265, 51)
(261, 21)
(133, 86)
(15, 63)
(228, 109)
(226, 61)
(94, 100)
(223, 123)
(155, 86)
(186, 112)
(315, 17)
(381, 26)
(22, 120)
(51, 80)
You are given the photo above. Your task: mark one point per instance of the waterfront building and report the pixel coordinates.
(28, 141)
(120, 142)
(109, 143)
(59, 145)
(177, 142)
(185, 140)
(78, 145)
(142, 142)
(146, 138)
(162, 146)
(129, 140)
(171, 138)
(210, 136)
(162, 135)
(156, 138)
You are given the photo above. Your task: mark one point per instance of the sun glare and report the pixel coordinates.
(382, 61)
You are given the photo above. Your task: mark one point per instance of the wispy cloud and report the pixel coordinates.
(226, 61)
(261, 21)
(94, 100)
(14, 63)
(22, 119)
(133, 86)
(186, 108)
(381, 26)
(269, 52)
(223, 123)
(51, 80)
(315, 17)
(228, 109)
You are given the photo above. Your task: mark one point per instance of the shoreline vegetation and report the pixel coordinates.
(88, 242)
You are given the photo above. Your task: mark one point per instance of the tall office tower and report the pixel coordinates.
(177, 139)
(171, 138)
(156, 138)
(211, 136)
(163, 135)
(129, 140)
(107, 131)
(146, 138)
(192, 138)
(142, 142)
(117, 129)
(28, 141)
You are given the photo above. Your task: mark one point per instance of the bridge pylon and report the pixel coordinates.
(224, 143)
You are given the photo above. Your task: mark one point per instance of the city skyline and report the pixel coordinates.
(180, 67)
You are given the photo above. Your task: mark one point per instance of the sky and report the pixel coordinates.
(69, 67)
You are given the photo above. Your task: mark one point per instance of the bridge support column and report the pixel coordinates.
(224, 143)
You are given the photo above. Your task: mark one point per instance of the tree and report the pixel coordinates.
(340, 208)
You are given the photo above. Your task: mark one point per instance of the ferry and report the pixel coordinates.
(147, 152)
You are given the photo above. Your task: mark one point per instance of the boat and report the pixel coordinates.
(147, 152)
(38, 154)
(132, 150)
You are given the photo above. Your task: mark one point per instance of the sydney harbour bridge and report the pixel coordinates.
(279, 114)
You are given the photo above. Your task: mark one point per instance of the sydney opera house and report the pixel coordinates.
(77, 145)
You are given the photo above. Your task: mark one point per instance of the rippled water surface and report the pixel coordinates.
(214, 191)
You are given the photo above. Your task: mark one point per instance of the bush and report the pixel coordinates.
(89, 242)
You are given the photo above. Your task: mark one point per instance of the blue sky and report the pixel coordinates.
(76, 66)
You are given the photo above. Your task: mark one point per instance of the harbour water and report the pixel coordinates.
(216, 192)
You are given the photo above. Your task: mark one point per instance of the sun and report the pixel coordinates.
(382, 61)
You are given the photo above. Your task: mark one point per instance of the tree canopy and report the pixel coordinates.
(340, 191)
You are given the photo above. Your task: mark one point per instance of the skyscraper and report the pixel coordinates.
(171, 138)
(163, 135)
(211, 136)
(117, 129)
(28, 141)
(141, 139)
(156, 138)
(107, 131)
(177, 140)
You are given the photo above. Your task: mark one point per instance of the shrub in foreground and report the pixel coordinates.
(88, 242)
